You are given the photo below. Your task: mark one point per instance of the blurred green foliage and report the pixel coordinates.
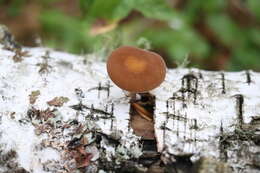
(174, 31)
(15, 7)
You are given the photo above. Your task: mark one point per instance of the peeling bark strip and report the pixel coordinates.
(197, 115)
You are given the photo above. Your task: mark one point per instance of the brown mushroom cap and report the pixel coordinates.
(136, 70)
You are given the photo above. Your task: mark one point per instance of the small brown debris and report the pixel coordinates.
(46, 114)
(208, 164)
(41, 114)
(44, 67)
(84, 140)
(12, 115)
(81, 157)
(156, 168)
(256, 160)
(19, 54)
(34, 96)
(58, 101)
(39, 129)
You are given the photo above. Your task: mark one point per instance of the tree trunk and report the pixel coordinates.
(61, 113)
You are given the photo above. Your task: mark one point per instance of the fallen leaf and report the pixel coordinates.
(58, 101)
(34, 96)
(40, 114)
(101, 26)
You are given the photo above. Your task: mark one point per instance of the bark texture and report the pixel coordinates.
(61, 113)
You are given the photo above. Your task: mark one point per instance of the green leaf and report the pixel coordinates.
(157, 9)
(178, 43)
(118, 9)
(253, 6)
(123, 9)
(213, 6)
(66, 32)
(255, 36)
(85, 5)
(15, 7)
(193, 8)
(103, 9)
(245, 58)
(227, 30)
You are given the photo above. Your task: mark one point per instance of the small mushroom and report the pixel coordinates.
(136, 70)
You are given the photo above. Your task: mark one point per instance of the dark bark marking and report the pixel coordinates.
(185, 125)
(239, 108)
(190, 86)
(200, 75)
(100, 88)
(222, 144)
(112, 115)
(248, 77)
(104, 114)
(79, 93)
(223, 83)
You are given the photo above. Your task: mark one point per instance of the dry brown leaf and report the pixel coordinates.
(34, 96)
(101, 26)
(58, 101)
(46, 114)
(81, 157)
(41, 114)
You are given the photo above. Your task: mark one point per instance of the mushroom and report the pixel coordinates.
(136, 70)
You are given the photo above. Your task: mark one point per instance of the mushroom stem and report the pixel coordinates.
(133, 97)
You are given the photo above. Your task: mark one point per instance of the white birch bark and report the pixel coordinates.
(198, 114)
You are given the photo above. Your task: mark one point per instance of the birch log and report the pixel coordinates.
(61, 113)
